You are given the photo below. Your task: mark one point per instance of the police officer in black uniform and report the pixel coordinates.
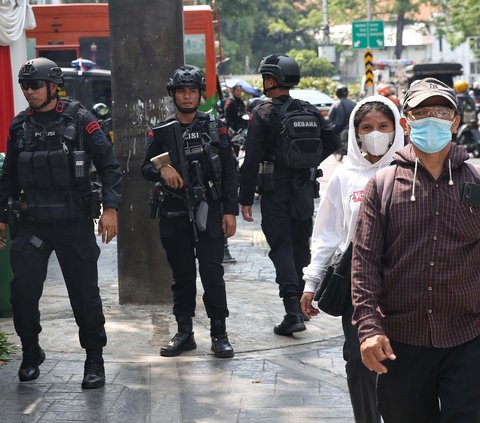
(286, 198)
(218, 174)
(234, 110)
(46, 189)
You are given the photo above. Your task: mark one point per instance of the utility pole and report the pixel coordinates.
(370, 88)
(146, 39)
(326, 26)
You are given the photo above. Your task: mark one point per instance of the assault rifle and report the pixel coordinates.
(193, 195)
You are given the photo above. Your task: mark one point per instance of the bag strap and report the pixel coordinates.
(473, 170)
(284, 108)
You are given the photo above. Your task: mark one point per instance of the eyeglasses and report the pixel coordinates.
(34, 84)
(440, 112)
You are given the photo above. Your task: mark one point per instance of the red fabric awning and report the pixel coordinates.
(7, 109)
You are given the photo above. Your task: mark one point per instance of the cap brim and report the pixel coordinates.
(414, 102)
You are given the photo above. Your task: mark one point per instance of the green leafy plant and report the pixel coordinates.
(6, 347)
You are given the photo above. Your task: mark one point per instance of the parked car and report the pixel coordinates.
(320, 100)
(87, 86)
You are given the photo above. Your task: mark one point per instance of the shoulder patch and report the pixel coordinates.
(92, 127)
(99, 137)
(60, 106)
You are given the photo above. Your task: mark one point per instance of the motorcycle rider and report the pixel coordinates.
(234, 110)
(466, 104)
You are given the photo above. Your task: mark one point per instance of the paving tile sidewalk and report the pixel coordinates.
(270, 379)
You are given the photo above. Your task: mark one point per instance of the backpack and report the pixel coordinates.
(299, 145)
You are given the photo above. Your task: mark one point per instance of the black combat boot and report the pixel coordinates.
(220, 344)
(29, 370)
(227, 257)
(293, 320)
(182, 341)
(94, 373)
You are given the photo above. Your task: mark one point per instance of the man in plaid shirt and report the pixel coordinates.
(416, 273)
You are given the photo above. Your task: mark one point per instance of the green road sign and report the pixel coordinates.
(367, 34)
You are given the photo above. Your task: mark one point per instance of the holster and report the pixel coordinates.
(302, 195)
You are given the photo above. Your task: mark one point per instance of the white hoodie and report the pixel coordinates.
(339, 206)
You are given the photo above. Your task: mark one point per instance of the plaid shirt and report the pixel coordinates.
(425, 290)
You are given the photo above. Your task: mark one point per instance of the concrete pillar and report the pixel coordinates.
(146, 41)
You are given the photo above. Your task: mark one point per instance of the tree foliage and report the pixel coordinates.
(312, 65)
(256, 29)
(460, 22)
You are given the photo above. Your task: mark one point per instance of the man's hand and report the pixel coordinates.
(107, 225)
(229, 225)
(374, 350)
(306, 304)
(247, 213)
(171, 177)
(3, 235)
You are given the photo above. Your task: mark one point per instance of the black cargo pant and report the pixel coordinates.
(361, 381)
(431, 385)
(77, 252)
(288, 238)
(177, 239)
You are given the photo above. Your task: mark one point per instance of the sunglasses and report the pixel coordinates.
(34, 84)
(440, 112)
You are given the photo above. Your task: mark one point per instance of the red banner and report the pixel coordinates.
(7, 109)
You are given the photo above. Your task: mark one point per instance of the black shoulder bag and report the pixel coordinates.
(333, 293)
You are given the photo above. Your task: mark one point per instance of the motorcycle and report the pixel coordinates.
(468, 136)
(238, 143)
(343, 145)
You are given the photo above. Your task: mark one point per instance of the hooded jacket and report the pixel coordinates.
(339, 206)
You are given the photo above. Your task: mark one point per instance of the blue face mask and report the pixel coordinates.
(430, 134)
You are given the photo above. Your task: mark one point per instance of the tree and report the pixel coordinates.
(399, 11)
(460, 22)
(237, 28)
(312, 65)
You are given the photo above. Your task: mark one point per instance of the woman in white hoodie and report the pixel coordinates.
(374, 135)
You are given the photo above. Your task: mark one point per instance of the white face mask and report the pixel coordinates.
(376, 143)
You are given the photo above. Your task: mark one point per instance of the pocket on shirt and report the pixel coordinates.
(467, 222)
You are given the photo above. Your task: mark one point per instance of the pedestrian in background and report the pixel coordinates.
(234, 110)
(415, 273)
(286, 193)
(46, 175)
(339, 116)
(218, 173)
(375, 134)
(340, 110)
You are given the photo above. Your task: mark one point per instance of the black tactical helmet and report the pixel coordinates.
(341, 91)
(254, 102)
(283, 68)
(42, 69)
(186, 76)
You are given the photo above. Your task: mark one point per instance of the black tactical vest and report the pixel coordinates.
(46, 166)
